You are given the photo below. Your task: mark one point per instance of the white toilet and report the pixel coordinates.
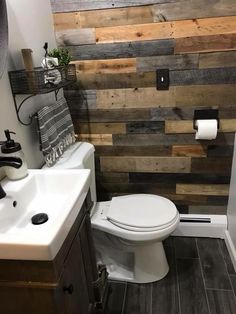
(128, 230)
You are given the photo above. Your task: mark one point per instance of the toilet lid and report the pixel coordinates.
(142, 211)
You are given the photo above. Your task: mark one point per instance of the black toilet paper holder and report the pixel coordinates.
(206, 114)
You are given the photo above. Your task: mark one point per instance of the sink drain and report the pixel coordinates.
(39, 219)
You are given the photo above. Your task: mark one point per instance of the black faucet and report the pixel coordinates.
(14, 162)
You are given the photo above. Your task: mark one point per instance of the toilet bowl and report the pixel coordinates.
(128, 230)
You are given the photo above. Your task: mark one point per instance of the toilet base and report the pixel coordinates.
(127, 261)
(150, 264)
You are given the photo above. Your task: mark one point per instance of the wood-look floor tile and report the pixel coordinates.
(226, 256)
(165, 298)
(221, 302)
(169, 242)
(191, 287)
(138, 299)
(213, 265)
(185, 247)
(116, 294)
(233, 281)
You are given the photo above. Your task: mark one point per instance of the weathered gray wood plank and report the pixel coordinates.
(217, 59)
(203, 76)
(176, 62)
(163, 139)
(183, 113)
(74, 37)
(193, 9)
(122, 50)
(84, 5)
(80, 99)
(146, 127)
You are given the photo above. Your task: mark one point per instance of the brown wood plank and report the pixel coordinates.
(207, 43)
(199, 95)
(189, 151)
(203, 189)
(205, 27)
(133, 150)
(186, 126)
(144, 14)
(106, 66)
(85, 5)
(136, 32)
(176, 29)
(135, 98)
(193, 9)
(111, 177)
(187, 178)
(74, 37)
(146, 164)
(116, 17)
(135, 188)
(116, 81)
(113, 115)
(176, 62)
(217, 165)
(66, 21)
(206, 95)
(217, 59)
(101, 128)
(96, 139)
(208, 209)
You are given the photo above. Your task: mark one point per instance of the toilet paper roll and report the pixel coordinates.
(206, 129)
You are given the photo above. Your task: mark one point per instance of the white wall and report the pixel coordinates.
(231, 211)
(30, 26)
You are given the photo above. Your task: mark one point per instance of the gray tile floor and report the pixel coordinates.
(201, 280)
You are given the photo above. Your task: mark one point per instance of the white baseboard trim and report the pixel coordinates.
(231, 248)
(215, 228)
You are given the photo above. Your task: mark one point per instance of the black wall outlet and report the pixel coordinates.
(162, 79)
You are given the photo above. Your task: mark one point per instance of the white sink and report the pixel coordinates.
(57, 193)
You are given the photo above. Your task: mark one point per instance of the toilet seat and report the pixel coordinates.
(142, 212)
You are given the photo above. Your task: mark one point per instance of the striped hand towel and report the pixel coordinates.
(56, 130)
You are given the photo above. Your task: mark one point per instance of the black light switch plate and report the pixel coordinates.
(162, 79)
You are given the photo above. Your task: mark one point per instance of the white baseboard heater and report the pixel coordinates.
(213, 226)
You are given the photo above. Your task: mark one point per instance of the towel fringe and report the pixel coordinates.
(58, 150)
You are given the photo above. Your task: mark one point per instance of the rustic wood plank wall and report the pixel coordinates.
(144, 138)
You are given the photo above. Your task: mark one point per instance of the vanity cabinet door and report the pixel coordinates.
(78, 295)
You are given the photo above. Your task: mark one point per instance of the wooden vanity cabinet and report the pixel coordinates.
(62, 286)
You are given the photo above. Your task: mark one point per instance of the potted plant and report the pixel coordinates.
(64, 59)
(62, 55)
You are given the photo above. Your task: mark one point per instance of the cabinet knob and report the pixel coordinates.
(69, 289)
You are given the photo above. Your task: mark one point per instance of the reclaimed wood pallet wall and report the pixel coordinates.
(144, 138)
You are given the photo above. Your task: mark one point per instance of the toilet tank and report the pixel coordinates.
(79, 156)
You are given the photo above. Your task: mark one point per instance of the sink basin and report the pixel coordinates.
(57, 193)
